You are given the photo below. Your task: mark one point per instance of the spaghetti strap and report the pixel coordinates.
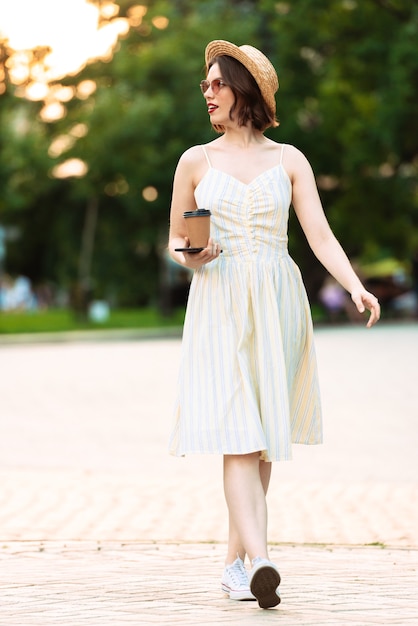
(207, 156)
(281, 154)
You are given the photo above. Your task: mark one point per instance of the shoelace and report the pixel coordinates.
(238, 574)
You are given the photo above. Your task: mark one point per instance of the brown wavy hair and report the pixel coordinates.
(249, 105)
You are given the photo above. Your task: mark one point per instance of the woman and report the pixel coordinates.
(248, 384)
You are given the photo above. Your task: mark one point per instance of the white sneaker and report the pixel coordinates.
(235, 581)
(264, 580)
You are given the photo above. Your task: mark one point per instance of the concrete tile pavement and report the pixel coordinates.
(64, 505)
(108, 583)
(83, 465)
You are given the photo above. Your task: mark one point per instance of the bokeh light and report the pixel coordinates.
(70, 168)
(150, 194)
(47, 40)
(161, 22)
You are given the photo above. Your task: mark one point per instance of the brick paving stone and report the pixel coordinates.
(146, 583)
(83, 452)
(47, 504)
(99, 525)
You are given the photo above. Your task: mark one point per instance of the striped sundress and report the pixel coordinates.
(248, 376)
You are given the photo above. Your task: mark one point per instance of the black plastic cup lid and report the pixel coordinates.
(197, 213)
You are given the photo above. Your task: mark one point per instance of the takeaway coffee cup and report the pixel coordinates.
(198, 227)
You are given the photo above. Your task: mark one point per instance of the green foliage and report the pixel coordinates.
(348, 73)
(350, 103)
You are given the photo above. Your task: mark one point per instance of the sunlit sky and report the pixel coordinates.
(69, 27)
(76, 31)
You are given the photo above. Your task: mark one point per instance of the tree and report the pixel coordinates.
(350, 102)
(145, 110)
(346, 98)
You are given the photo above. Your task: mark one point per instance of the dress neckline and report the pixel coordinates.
(240, 182)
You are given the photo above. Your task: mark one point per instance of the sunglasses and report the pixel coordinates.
(215, 85)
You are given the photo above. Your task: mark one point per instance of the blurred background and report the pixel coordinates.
(98, 99)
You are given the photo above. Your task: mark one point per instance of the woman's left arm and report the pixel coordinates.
(324, 244)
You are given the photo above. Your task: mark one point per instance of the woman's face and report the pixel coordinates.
(219, 97)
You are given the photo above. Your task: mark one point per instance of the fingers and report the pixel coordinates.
(368, 301)
(374, 314)
(373, 305)
(359, 304)
(208, 254)
(212, 251)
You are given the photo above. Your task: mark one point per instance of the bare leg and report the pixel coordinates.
(265, 474)
(246, 481)
(235, 546)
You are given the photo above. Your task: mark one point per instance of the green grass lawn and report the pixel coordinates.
(58, 320)
(61, 320)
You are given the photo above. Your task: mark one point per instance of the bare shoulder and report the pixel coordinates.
(295, 162)
(192, 155)
(294, 155)
(192, 163)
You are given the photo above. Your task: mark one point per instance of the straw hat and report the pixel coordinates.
(256, 63)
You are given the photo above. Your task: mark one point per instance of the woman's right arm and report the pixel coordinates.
(189, 171)
(182, 200)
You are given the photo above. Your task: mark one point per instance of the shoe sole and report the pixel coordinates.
(263, 586)
(237, 595)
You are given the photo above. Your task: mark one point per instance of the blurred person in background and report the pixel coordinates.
(17, 295)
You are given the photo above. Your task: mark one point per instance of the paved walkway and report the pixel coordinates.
(99, 525)
(116, 583)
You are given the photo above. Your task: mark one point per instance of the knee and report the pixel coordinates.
(242, 460)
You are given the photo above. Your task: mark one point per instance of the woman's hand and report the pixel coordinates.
(208, 254)
(365, 300)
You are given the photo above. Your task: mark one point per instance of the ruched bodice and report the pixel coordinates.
(248, 378)
(249, 220)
